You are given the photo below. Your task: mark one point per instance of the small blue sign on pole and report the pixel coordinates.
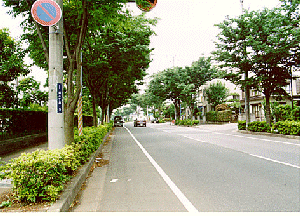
(59, 97)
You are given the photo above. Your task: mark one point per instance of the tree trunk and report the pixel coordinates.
(177, 108)
(69, 126)
(95, 119)
(268, 111)
(247, 106)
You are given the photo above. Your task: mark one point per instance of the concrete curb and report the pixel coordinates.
(73, 187)
(270, 134)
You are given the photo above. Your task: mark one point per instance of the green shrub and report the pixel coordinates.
(259, 126)
(187, 122)
(287, 127)
(242, 125)
(41, 175)
(212, 116)
(219, 116)
(195, 122)
(224, 116)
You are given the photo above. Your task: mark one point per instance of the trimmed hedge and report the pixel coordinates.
(187, 122)
(219, 116)
(41, 175)
(242, 125)
(287, 127)
(281, 127)
(259, 126)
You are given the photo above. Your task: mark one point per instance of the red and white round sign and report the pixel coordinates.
(46, 12)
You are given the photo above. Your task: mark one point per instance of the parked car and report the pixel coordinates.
(118, 121)
(139, 122)
(155, 120)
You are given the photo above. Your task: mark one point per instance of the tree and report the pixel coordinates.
(11, 67)
(181, 84)
(275, 45)
(216, 93)
(233, 53)
(117, 56)
(80, 17)
(195, 76)
(29, 90)
(264, 42)
(168, 84)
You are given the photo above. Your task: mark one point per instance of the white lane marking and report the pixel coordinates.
(266, 140)
(187, 204)
(237, 135)
(275, 161)
(269, 159)
(252, 138)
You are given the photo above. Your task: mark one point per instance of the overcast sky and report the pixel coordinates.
(185, 30)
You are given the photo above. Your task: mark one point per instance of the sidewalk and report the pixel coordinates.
(89, 197)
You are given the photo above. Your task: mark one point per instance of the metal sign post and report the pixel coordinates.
(49, 13)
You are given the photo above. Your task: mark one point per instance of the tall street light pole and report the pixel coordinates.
(247, 90)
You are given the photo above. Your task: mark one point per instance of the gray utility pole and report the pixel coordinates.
(56, 135)
(247, 90)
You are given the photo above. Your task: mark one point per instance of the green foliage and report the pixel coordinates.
(216, 93)
(287, 127)
(11, 58)
(181, 84)
(242, 125)
(11, 67)
(285, 112)
(219, 116)
(187, 122)
(117, 58)
(259, 126)
(41, 175)
(5, 204)
(29, 90)
(212, 116)
(264, 42)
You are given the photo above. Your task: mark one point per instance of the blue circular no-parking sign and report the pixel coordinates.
(46, 12)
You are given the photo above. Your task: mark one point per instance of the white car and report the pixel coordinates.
(140, 122)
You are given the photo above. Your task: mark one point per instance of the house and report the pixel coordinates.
(256, 99)
(202, 103)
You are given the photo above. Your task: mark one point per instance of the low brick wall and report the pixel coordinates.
(11, 145)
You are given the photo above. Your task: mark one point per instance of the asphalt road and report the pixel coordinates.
(206, 169)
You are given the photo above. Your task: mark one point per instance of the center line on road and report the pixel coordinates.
(187, 204)
(275, 161)
(257, 156)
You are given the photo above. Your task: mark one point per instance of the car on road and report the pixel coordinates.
(140, 122)
(155, 120)
(118, 121)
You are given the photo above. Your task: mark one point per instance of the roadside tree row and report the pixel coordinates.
(114, 45)
(257, 50)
